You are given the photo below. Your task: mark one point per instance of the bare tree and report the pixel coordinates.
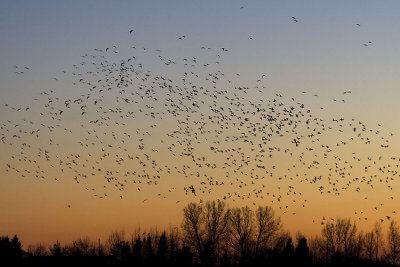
(317, 249)
(379, 243)
(38, 250)
(174, 239)
(192, 226)
(346, 236)
(81, 247)
(56, 250)
(100, 250)
(281, 240)
(370, 245)
(356, 247)
(205, 227)
(162, 249)
(114, 239)
(117, 245)
(341, 239)
(216, 221)
(267, 225)
(393, 240)
(329, 240)
(241, 231)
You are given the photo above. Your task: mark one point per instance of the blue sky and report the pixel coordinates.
(326, 43)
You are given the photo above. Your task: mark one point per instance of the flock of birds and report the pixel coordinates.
(183, 124)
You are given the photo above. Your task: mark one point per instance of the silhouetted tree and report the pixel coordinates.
(216, 219)
(280, 241)
(393, 243)
(162, 248)
(289, 248)
(10, 250)
(215, 235)
(205, 227)
(379, 243)
(288, 258)
(192, 227)
(267, 225)
(225, 259)
(6, 249)
(369, 245)
(340, 240)
(241, 233)
(184, 257)
(148, 250)
(346, 236)
(137, 250)
(302, 252)
(56, 249)
(100, 250)
(82, 247)
(121, 250)
(37, 250)
(174, 239)
(16, 247)
(115, 239)
(317, 250)
(356, 248)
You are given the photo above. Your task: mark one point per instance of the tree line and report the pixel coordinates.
(212, 234)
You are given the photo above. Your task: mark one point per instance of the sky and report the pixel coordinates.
(115, 115)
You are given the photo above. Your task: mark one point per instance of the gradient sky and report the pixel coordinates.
(323, 53)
